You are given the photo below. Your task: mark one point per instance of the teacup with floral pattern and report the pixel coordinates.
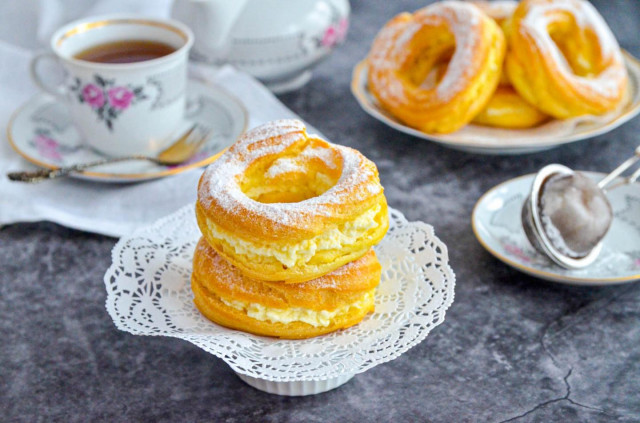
(121, 108)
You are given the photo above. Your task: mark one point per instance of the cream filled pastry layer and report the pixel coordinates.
(345, 235)
(333, 301)
(316, 318)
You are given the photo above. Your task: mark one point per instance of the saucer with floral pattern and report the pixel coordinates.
(497, 225)
(41, 131)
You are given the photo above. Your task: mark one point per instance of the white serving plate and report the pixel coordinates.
(488, 140)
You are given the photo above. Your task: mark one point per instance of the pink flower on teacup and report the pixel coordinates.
(107, 98)
(93, 95)
(335, 33)
(120, 97)
(47, 147)
(330, 37)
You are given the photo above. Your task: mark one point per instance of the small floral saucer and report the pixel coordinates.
(497, 225)
(41, 131)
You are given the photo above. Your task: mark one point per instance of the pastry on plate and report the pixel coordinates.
(564, 59)
(435, 69)
(506, 108)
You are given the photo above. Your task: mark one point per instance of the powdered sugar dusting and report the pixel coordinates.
(498, 9)
(463, 21)
(323, 154)
(392, 45)
(535, 24)
(400, 46)
(358, 181)
(389, 39)
(296, 164)
(282, 166)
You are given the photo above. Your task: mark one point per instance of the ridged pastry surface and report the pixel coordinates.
(336, 300)
(283, 205)
(436, 69)
(564, 59)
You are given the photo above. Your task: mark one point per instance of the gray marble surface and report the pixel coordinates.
(512, 347)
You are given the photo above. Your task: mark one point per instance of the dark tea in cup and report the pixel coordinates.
(125, 51)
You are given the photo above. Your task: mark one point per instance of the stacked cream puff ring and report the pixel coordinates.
(442, 67)
(288, 223)
(282, 205)
(506, 108)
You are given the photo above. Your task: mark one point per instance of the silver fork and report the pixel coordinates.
(178, 152)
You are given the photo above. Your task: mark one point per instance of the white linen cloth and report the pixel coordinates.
(104, 208)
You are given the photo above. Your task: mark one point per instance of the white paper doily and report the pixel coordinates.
(149, 293)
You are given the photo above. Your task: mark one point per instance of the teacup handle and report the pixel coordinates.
(56, 90)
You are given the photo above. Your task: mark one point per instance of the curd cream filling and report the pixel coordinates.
(302, 252)
(321, 318)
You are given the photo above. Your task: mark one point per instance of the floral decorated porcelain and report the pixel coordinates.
(106, 97)
(43, 132)
(280, 50)
(120, 108)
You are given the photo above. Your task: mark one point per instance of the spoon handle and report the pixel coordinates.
(618, 171)
(44, 174)
(634, 176)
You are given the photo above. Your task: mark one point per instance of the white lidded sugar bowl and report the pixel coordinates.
(277, 41)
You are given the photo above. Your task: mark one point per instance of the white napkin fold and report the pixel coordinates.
(109, 209)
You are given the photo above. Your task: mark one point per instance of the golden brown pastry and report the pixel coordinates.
(564, 59)
(435, 69)
(282, 205)
(506, 108)
(334, 301)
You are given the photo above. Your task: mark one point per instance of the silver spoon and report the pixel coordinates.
(566, 214)
(180, 151)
